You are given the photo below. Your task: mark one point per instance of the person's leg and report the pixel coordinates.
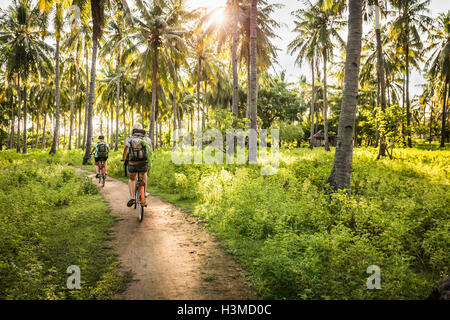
(145, 179)
(132, 185)
(97, 169)
(106, 163)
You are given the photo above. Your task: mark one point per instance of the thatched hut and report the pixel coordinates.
(319, 139)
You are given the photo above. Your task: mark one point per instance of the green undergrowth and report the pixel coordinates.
(296, 241)
(53, 218)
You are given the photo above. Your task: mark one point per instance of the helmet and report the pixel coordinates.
(101, 137)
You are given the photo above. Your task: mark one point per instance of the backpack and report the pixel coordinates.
(102, 150)
(137, 151)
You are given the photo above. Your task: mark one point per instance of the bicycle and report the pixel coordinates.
(139, 197)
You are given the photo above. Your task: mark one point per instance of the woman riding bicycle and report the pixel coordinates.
(137, 147)
(101, 149)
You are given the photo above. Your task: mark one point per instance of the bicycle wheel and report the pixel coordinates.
(103, 180)
(140, 212)
(139, 205)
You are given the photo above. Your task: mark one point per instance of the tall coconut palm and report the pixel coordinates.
(412, 21)
(340, 176)
(24, 50)
(381, 76)
(253, 83)
(45, 6)
(304, 45)
(328, 22)
(97, 11)
(439, 63)
(157, 32)
(117, 42)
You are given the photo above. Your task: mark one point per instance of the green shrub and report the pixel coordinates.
(52, 218)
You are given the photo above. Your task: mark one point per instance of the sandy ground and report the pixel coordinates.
(170, 256)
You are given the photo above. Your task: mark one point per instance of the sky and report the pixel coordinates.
(286, 61)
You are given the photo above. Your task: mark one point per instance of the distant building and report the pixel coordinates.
(319, 140)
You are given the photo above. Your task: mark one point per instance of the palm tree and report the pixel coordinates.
(439, 63)
(305, 46)
(328, 23)
(24, 50)
(97, 11)
(381, 76)
(411, 22)
(253, 83)
(114, 46)
(157, 33)
(340, 176)
(46, 6)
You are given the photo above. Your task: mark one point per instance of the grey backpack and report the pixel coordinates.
(137, 151)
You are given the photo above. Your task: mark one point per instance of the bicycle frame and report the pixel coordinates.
(101, 166)
(140, 185)
(139, 196)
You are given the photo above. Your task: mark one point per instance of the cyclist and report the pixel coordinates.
(137, 147)
(101, 149)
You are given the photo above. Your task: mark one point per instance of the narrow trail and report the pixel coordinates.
(170, 256)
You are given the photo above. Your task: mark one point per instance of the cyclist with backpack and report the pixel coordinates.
(138, 149)
(101, 149)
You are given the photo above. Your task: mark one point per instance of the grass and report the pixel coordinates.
(298, 242)
(53, 218)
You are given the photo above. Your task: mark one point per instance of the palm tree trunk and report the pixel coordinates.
(340, 176)
(86, 55)
(64, 131)
(199, 75)
(253, 81)
(124, 114)
(234, 61)
(431, 122)
(43, 130)
(160, 134)
(408, 106)
(19, 95)
(116, 144)
(79, 125)
(154, 95)
(90, 115)
(11, 134)
(107, 129)
(204, 109)
(38, 123)
(174, 105)
(444, 115)
(111, 119)
(325, 106)
(57, 97)
(25, 111)
(71, 111)
(247, 109)
(381, 80)
(313, 101)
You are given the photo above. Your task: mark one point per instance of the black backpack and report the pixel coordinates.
(102, 150)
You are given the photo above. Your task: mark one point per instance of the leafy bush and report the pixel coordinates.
(297, 242)
(52, 218)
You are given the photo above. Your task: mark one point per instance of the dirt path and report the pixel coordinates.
(169, 255)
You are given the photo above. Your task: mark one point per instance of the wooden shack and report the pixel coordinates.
(319, 139)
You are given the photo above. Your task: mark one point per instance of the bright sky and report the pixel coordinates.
(287, 62)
